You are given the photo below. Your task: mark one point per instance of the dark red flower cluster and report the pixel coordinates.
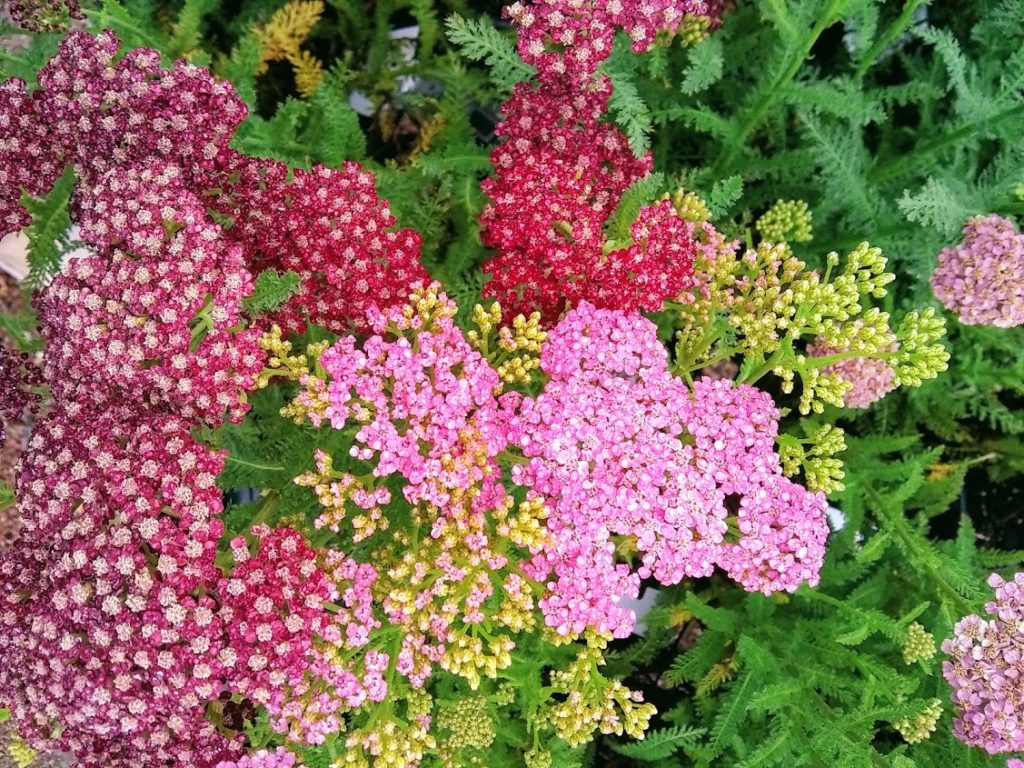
(117, 625)
(104, 116)
(326, 224)
(43, 15)
(102, 630)
(18, 376)
(561, 171)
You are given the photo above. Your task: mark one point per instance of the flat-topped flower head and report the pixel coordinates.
(982, 279)
(985, 671)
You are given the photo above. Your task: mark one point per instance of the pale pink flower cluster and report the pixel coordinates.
(986, 671)
(982, 279)
(870, 379)
(618, 447)
(279, 758)
(1015, 763)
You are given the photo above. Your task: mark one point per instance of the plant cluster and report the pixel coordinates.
(344, 455)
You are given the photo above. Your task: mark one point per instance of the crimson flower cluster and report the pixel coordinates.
(562, 169)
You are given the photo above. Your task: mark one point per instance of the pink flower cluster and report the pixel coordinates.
(986, 671)
(570, 38)
(618, 447)
(424, 402)
(435, 391)
(562, 169)
(151, 317)
(871, 379)
(982, 279)
(279, 758)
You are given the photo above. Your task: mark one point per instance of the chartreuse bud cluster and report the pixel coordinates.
(592, 702)
(815, 456)
(918, 644)
(919, 727)
(513, 351)
(767, 306)
(787, 221)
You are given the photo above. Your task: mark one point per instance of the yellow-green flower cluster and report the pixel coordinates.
(311, 403)
(766, 305)
(918, 644)
(513, 351)
(815, 456)
(690, 207)
(787, 221)
(392, 742)
(594, 703)
(919, 727)
(468, 723)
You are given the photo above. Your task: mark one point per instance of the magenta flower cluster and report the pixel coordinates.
(982, 278)
(19, 376)
(262, 758)
(114, 121)
(986, 671)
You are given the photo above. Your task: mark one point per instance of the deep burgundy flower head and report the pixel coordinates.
(107, 627)
(19, 375)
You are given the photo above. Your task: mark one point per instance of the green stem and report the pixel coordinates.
(899, 526)
(254, 465)
(756, 115)
(893, 167)
(897, 28)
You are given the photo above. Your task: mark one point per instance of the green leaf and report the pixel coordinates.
(272, 289)
(479, 40)
(630, 112)
(660, 744)
(48, 233)
(706, 60)
(723, 195)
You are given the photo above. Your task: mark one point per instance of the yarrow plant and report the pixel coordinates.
(980, 279)
(452, 509)
(985, 671)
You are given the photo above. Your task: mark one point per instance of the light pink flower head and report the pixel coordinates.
(982, 279)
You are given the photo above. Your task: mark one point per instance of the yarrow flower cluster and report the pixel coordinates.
(568, 39)
(868, 379)
(562, 169)
(18, 377)
(982, 279)
(986, 671)
(459, 495)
